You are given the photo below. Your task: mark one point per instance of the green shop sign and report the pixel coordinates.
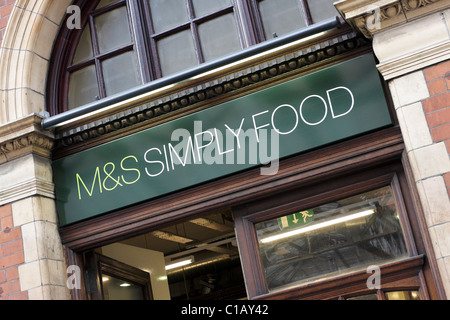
(253, 131)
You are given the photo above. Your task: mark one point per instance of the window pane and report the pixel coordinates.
(214, 42)
(113, 29)
(177, 52)
(104, 3)
(167, 14)
(84, 49)
(402, 295)
(120, 73)
(281, 17)
(118, 289)
(83, 88)
(372, 296)
(322, 10)
(204, 7)
(331, 239)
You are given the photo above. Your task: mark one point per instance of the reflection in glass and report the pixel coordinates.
(204, 7)
(167, 14)
(215, 42)
(372, 296)
(322, 10)
(118, 289)
(113, 29)
(331, 239)
(281, 17)
(120, 73)
(83, 88)
(402, 295)
(84, 49)
(176, 52)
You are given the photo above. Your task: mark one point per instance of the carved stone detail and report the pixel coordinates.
(371, 17)
(24, 137)
(414, 4)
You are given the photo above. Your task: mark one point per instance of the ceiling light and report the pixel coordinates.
(318, 226)
(180, 263)
(125, 285)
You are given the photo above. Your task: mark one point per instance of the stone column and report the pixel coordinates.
(31, 254)
(31, 247)
(411, 39)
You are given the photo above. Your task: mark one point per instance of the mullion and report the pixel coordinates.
(257, 22)
(133, 45)
(194, 31)
(98, 65)
(155, 66)
(246, 35)
(139, 25)
(307, 12)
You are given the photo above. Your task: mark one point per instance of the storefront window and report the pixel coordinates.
(390, 295)
(193, 259)
(330, 239)
(402, 295)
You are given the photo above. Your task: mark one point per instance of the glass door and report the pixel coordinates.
(109, 279)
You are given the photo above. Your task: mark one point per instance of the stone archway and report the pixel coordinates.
(24, 56)
(35, 265)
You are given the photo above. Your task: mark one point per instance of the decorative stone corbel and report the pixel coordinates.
(23, 137)
(407, 35)
(372, 16)
(25, 160)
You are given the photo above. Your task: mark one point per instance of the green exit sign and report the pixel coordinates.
(296, 220)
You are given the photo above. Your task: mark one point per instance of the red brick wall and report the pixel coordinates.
(11, 256)
(6, 7)
(11, 244)
(437, 107)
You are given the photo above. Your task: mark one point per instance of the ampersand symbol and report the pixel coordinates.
(110, 177)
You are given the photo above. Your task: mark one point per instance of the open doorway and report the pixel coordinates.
(193, 259)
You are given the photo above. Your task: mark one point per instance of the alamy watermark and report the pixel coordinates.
(215, 147)
(74, 18)
(373, 19)
(374, 280)
(73, 277)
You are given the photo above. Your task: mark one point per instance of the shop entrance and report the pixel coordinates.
(203, 242)
(193, 259)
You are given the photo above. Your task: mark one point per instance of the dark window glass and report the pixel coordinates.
(327, 240)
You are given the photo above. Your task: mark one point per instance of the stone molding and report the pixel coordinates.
(24, 56)
(24, 137)
(408, 35)
(25, 155)
(370, 17)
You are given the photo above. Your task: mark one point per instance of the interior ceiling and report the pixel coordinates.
(203, 237)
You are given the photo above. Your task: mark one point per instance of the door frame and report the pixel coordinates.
(97, 265)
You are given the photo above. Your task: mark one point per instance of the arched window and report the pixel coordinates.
(125, 43)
